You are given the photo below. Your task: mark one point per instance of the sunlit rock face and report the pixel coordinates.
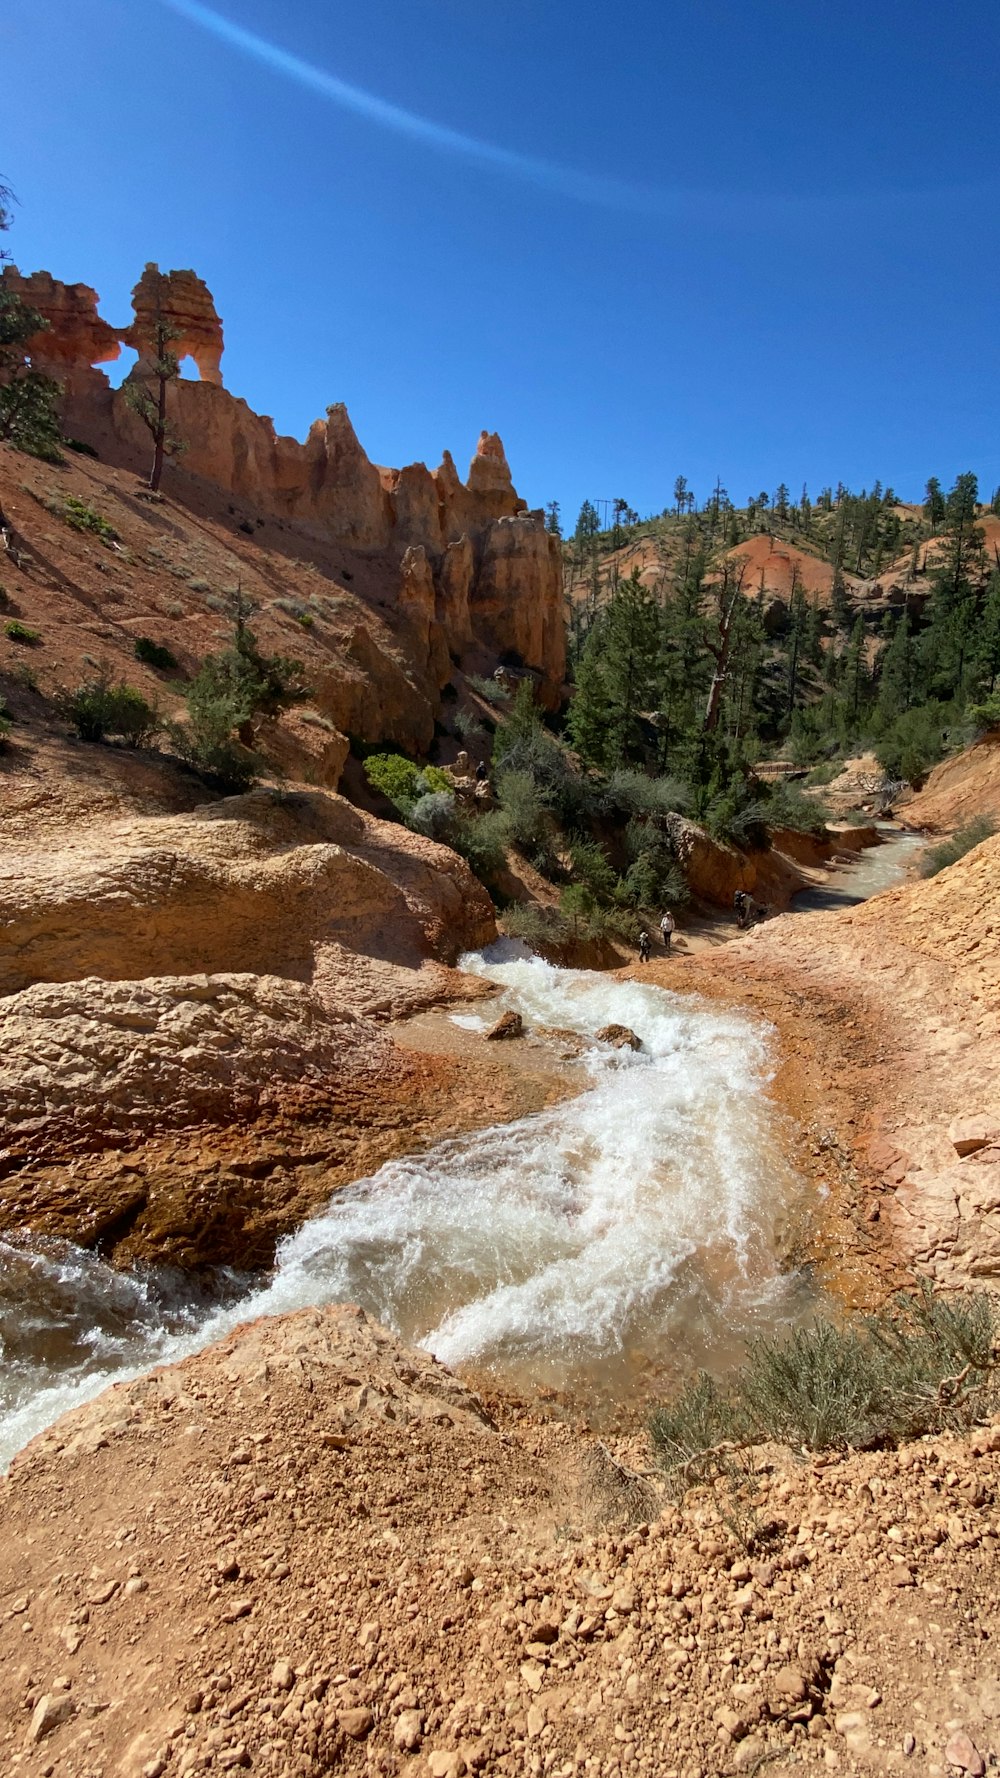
(490, 576)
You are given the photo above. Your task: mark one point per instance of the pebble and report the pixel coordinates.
(408, 1730)
(51, 1710)
(357, 1722)
(282, 1676)
(962, 1753)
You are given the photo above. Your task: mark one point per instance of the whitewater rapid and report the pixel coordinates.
(625, 1233)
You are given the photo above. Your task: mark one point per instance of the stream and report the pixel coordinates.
(601, 1247)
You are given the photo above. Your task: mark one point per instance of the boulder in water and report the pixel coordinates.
(509, 1024)
(620, 1037)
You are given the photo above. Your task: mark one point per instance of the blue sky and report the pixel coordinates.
(748, 238)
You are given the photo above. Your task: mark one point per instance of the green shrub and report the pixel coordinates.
(19, 632)
(433, 815)
(986, 715)
(468, 728)
(938, 858)
(493, 690)
(100, 709)
(591, 866)
(84, 518)
(529, 821)
(789, 806)
(924, 1364)
(541, 928)
(4, 724)
(914, 743)
(395, 776)
(482, 842)
(629, 792)
(154, 654)
(825, 774)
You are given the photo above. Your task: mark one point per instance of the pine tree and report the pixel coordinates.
(680, 494)
(145, 389)
(29, 401)
(934, 505)
(855, 672)
(949, 644)
(552, 518)
(897, 674)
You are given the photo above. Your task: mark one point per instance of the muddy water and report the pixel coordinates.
(880, 867)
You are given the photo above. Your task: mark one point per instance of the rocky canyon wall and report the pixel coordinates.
(470, 564)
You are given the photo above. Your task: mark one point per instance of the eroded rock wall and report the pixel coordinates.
(494, 573)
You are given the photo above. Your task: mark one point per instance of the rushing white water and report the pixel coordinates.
(626, 1231)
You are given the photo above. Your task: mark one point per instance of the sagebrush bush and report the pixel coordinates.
(938, 858)
(493, 690)
(433, 815)
(100, 710)
(482, 842)
(924, 1364)
(529, 820)
(628, 793)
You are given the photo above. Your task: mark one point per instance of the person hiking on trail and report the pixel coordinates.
(668, 926)
(644, 946)
(741, 907)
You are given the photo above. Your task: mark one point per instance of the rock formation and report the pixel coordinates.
(185, 305)
(493, 576)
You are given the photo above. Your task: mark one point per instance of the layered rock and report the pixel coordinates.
(266, 883)
(495, 572)
(183, 302)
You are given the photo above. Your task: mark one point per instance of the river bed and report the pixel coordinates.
(600, 1248)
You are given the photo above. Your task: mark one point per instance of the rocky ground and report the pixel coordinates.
(309, 1550)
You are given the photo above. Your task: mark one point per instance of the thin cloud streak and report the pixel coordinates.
(586, 188)
(735, 209)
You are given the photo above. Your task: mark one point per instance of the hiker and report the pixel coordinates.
(741, 906)
(668, 926)
(644, 946)
(482, 772)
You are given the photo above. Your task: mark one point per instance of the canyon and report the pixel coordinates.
(311, 1546)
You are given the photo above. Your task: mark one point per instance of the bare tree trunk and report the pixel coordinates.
(159, 436)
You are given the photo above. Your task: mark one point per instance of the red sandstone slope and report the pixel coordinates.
(455, 568)
(959, 789)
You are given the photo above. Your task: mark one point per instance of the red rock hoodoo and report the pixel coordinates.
(490, 575)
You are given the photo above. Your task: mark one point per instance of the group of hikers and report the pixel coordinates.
(668, 926)
(747, 911)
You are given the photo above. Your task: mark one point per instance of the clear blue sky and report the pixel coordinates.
(747, 237)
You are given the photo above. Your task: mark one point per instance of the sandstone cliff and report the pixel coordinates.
(493, 572)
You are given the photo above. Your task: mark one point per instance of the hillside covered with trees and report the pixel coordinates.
(707, 639)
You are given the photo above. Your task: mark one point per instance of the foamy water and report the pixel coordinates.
(627, 1232)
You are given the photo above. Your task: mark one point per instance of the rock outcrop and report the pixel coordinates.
(493, 572)
(273, 883)
(183, 301)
